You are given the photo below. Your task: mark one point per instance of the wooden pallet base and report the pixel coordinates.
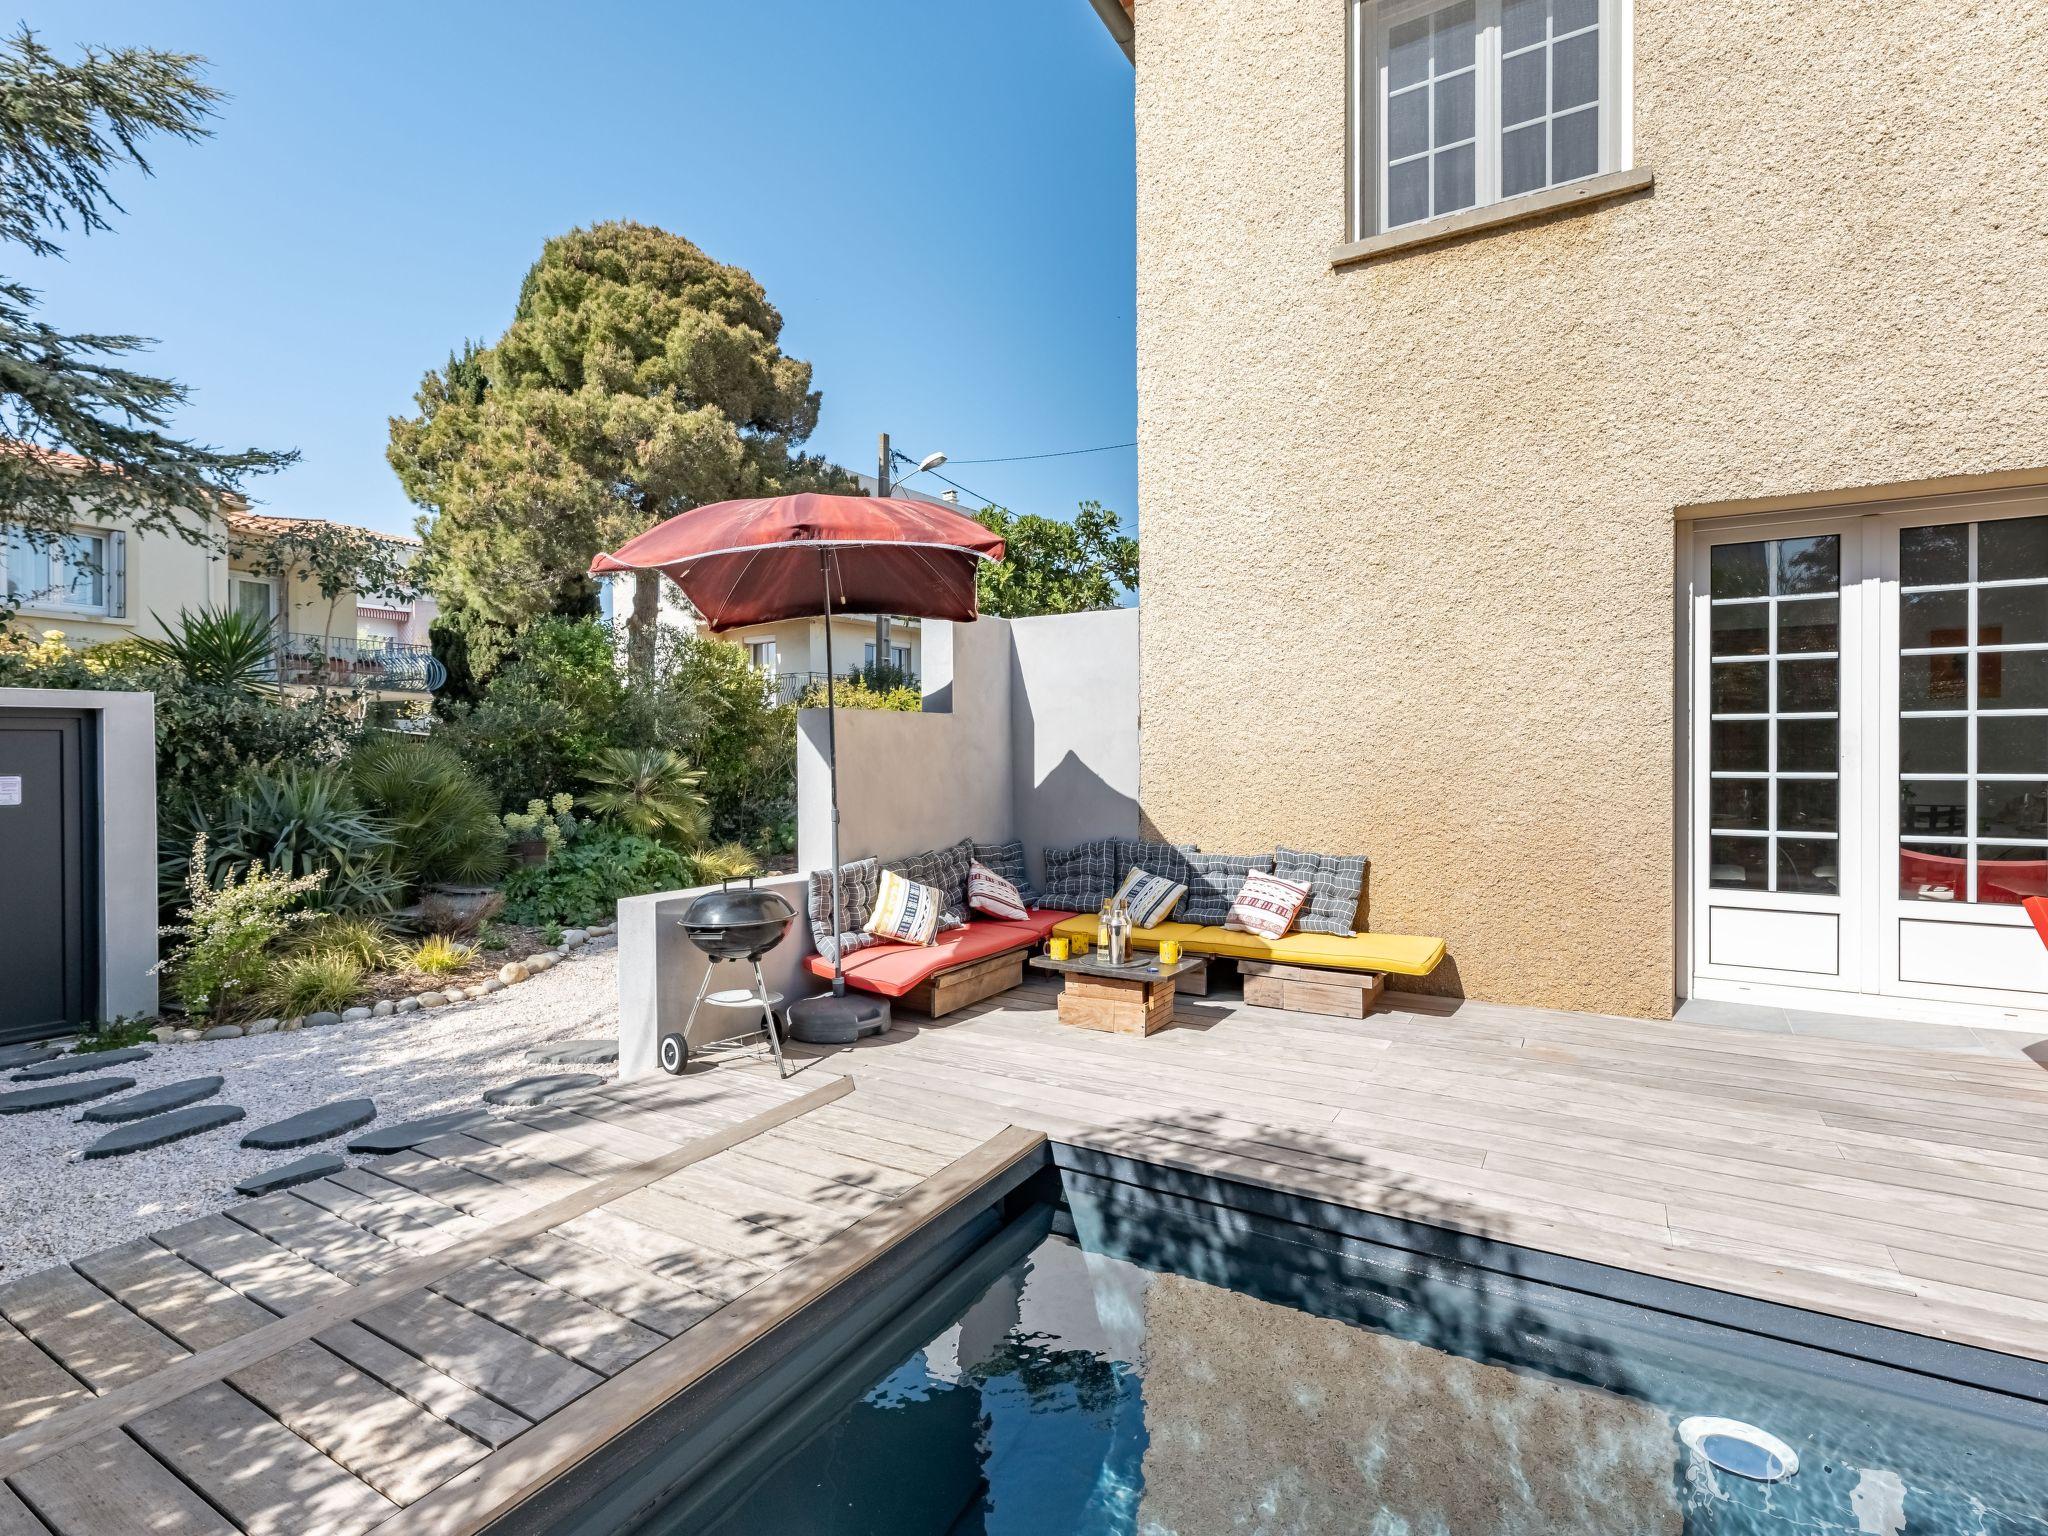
(1115, 1006)
(1306, 989)
(974, 982)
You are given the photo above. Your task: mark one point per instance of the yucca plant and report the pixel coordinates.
(314, 981)
(441, 819)
(439, 955)
(299, 820)
(219, 648)
(651, 791)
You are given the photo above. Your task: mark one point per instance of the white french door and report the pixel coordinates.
(1869, 774)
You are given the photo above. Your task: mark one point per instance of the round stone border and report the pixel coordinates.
(510, 974)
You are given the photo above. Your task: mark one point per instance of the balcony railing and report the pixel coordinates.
(324, 661)
(788, 687)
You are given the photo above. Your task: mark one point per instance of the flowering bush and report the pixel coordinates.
(553, 820)
(222, 962)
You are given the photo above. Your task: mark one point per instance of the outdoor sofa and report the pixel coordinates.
(978, 957)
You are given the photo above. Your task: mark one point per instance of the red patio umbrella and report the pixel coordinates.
(812, 555)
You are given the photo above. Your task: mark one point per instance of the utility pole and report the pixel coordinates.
(881, 489)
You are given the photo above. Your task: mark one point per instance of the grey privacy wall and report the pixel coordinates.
(1029, 730)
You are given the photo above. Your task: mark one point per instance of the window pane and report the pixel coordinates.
(1740, 688)
(1934, 745)
(1932, 871)
(1810, 626)
(1740, 570)
(1741, 805)
(1743, 746)
(1807, 687)
(1808, 565)
(28, 570)
(1407, 192)
(2012, 810)
(2009, 744)
(1933, 682)
(1521, 86)
(1457, 35)
(1932, 808)
(1934, 618)
(2006, 876)
(1739, 863)
(2012, 680)
(1408, 53)
(1575, 145)
(1454, 104)
(1740, 629)
(2012, 549)
(1570, 15)
(1522, 164)
(2012, 616)
(1808, 865)
(1807, 805)
(1454, 179)
(1575, 72)
(1522, 22)
(1407, 124)
(87, 579)
(1807, 746)
(1929, 557)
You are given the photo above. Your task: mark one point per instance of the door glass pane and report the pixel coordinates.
(2009, 874)
(1522, 22)
(1741, 629)
(1454, 107)
(1808, 865)
(1407, 192)
(1522, 160)
(1933, 744)
(1934, 808)
(1807, 565)
(1741, 805)
(1522, 88)
(1741, 688)
(1739, 863)
(1933, 871)
(1744, 746)
(2005, 744)
(1575, 145)
(1454, 179)
(1815, 625)
(2012, 549)
(1407, 124)
(2012, 615)
(2005, 809)
(1805, 687)
(1739, 570)
(1932, 619)
(1408, 53)
(1806, 805)
(1575, 72)
(2012, 680)
(1807, 746)
(1929, 557)
(1934, 682)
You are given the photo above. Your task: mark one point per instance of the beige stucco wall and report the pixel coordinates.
(165, 574)
(1408, 527)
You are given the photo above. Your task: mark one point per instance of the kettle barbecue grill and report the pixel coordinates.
(732, 923)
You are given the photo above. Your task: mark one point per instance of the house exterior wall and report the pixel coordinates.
(163, 575)
(1449, 481)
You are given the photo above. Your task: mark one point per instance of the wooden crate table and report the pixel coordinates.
(1310, 989)
(1132, 999)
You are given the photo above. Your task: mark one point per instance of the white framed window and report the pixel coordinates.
(762, 654)
(1480, 101)
(81, 572)
(899, 657)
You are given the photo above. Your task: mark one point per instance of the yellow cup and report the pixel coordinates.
(1058, 948)
(1169, 952)
(1079, 947)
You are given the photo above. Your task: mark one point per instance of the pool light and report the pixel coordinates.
(1738, 1448)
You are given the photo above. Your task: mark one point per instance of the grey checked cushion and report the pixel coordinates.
(1083, 877)
(858, 882)
(1007, 860)
(1215, 879)
(1334, 881)
(945, 870)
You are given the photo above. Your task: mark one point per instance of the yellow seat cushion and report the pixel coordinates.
(1399, 953)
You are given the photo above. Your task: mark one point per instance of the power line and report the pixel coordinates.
(1064, 453)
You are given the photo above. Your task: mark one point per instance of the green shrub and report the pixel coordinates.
(363, 939)
(316, 981)
(438, 956)
(547, 713)
(728, 861)
(648, 790)
(298, 820)
(441, 817)
(222, 961)
(705, 701)
(583, 879)
(853, 693)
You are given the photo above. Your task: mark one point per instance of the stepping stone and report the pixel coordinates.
(304, 1171)
(410, 1133)
(57, 1095)
(158, 1130)
(91, 1061)
(154, 1101)
(536, 1090)
(585, 1053)
(13, 1056)
(313, 1125)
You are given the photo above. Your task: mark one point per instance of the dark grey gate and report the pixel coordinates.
(49, 863)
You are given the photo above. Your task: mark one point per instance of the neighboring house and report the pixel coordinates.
(105, 582)
(1624, 422)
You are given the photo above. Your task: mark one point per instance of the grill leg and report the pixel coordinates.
(703, 986)
(768, 1012)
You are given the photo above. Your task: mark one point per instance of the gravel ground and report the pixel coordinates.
(60, 1207)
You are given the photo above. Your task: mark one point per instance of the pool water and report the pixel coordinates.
(1123, 1367)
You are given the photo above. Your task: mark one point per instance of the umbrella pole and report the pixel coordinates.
(832, 776)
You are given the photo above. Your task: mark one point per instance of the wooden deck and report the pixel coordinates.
(417, 1344)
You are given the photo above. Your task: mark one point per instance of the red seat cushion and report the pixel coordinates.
(1042, 924)
(894, 969)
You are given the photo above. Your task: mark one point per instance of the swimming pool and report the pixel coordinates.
(1127, 1361)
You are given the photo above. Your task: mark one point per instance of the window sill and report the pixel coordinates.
(1515, 210)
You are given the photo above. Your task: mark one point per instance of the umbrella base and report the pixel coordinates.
(831, 1020)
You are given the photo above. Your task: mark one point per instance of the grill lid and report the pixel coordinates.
(734, 906)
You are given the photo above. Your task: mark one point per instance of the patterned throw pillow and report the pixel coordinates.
(1214, 879)
(1083, 877)
(1334, 882)
(905, 912)
(857, 882)
(945, 870)
(1151, 897)
(989, 893)
(1267, 905)
(1007, 860)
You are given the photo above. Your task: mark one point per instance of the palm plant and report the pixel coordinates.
(220, 648)
(440, 816)
(651, 791)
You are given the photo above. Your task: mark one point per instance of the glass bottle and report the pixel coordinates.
(1102, 930)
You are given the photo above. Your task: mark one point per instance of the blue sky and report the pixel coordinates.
(936, 193)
